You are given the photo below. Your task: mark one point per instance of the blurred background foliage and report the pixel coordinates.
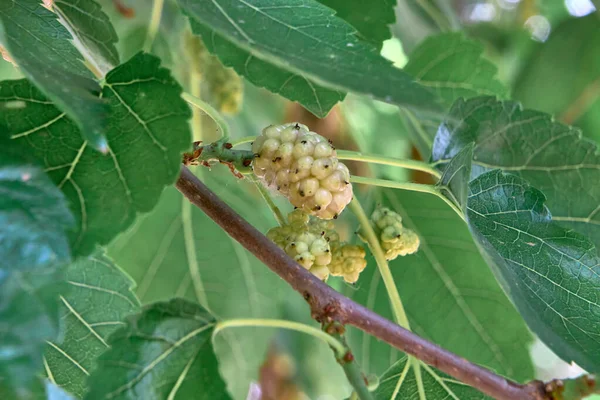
(548, 55)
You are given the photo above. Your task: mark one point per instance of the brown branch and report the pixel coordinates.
(328, 305)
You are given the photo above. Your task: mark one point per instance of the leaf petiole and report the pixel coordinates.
(395, 162)
(209, 110)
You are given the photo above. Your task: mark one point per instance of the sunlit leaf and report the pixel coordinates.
(305, 38)
(147, 132)
(164, 352)
(95, 304)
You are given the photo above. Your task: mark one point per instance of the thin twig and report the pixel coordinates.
(328, 305)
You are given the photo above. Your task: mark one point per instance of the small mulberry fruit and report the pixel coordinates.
(348, 261)
(303, 166)
(395, 239)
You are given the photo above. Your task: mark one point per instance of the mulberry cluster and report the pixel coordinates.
(303, 166)
(395, 239)
(316, 246)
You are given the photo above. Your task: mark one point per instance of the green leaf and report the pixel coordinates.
(312, 42)
(399, 382)
(94, 34)
(42, 48)
(454, 66)
(164, 352)
(454, 183)
(316, 99)
(98, 299)
(371, 19)
(147, 132)
(33, 245)
(551, 156)
(569, 59)
(450, 295)
(551, 273)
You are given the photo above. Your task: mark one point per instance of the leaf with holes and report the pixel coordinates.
(42, 48)
(178, 251)
(454, 67)
(98, 298)
(147, 132)
(164, 352)
(402, 382)
(33, 245)
(450, 295)
(305, 38)
(315, 98)
(551, 273)
(551, 156)
(93, 33)
(370, 18)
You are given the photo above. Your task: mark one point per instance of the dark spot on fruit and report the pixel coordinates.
(228, 145)
(326, 165)
(301, 193)
(346, 182)
(335, 216)
(297, 170)
(247, 162)
(322, 233)
(303, 142)
(296, 126)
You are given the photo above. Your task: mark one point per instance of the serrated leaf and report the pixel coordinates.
(94, 34)
(399, 382)
(551, 273)
(572, 95)
(305, 38)
(33, 245)
(147, 132)
(370, 18)
(163, 352)
(192, 257)
(454, 182)
(315, 98)
(42, 48)
(98, 299)
(454, 67)
(551, 156)
(450, 295)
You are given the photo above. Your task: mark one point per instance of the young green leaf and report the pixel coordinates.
(164, 352)
(454, 67)
(312, 42)
(98, 299)
(33, 245)
(371, 19)
(449, 294)
(551, 273)
(454, 183)
(94, 34)
(42, 48)
(400, 382)
(551, 156)
(146, 134)
(178, 251)
(315, 98)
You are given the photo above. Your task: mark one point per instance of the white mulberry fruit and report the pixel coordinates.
(348, 261)
(394, 238)
(303, 166)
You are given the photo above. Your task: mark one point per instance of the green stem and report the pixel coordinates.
(413, 187)
(395, 162)
(382, 264)
(265, 194)
(209, 110)
(157, 9)
(434, 14)
(245, 139)
(337, 346)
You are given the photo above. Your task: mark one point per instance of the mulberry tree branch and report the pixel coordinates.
(328, 305)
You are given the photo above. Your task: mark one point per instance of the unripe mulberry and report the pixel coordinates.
(394, 238)
(306, 241)
(348, 261)
(302, 166)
